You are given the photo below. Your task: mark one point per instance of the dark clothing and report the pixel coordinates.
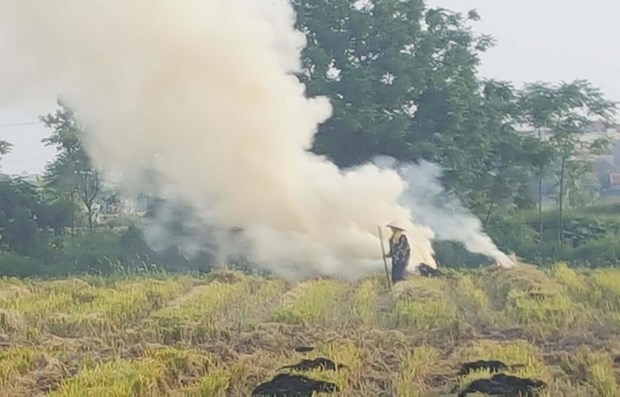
(399, 252)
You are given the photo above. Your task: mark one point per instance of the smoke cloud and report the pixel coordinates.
(440, 210)
(202, 94)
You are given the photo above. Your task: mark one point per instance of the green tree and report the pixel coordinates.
(581, 185)
(497, 176)
(20, 212)
(402, 81)
(560, 114)
(393, 70)
(71, 173)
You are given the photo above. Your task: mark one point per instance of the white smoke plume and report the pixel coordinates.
(203, 94)
(443, 212)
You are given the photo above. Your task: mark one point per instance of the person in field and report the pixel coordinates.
(399, 251)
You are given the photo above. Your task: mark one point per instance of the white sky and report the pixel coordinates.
(547, 40)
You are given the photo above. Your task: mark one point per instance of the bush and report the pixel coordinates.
(590, 236)
(16, 265)
(101, 253)
(450, 254)
(599, 252)
(88, 253)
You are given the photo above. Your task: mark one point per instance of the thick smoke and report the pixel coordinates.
(440, 210)
(202, 93)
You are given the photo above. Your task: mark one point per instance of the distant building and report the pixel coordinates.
(603, 166)
(607, 169)
(603, 127)
(34, 179)
(611, 186)
(115, 205)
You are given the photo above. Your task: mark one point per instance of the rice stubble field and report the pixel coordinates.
(225, 333)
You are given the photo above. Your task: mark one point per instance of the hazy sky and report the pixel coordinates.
(548, 40)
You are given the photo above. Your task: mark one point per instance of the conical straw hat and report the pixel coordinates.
(397, 224)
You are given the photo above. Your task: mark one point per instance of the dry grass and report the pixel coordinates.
(223, 334)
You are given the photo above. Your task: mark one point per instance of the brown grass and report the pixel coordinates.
(223, 334)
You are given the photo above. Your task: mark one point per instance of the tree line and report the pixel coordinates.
(403, 81)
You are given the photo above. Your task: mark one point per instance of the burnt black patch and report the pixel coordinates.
(430, 272)
(304, 349)
(285, 385)
(320, 363)
(482, 365)
(504, 385)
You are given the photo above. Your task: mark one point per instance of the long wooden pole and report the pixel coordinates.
(387, 273)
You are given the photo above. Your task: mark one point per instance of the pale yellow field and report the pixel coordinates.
(224, 334)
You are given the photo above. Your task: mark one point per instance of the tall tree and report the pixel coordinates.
(496, 175)
(402, 80)
(72, 172)
(383, 64)
(560, 114)
(537, 102)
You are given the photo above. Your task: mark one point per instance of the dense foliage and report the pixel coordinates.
(402, 78)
